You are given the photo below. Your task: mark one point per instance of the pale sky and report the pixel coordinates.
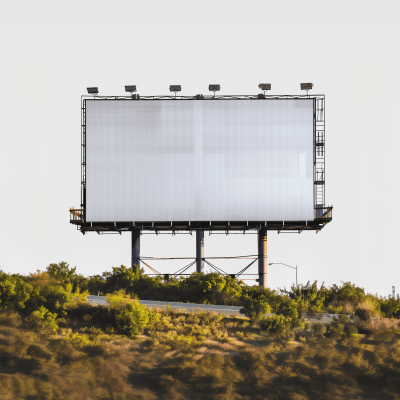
(50, 52)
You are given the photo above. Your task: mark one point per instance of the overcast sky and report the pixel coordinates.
(50, 52)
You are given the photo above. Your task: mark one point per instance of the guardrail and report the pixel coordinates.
(76, 214)
(325, 212)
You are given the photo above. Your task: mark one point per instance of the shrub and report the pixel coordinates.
(119, 299)
(254, 309)
(38, 351)
(341, 328)
(276, 324)
(347, 292)
(43, 316)
(61, 272)
(55, 296)
(10, 318)
(309, 299)
(132, 280)
(335, 310)
(79, 297)
(390, 307)
(131, 319)
(14, 292)
(378, 326)
(318, 328)
(258, 301)
(366, 309)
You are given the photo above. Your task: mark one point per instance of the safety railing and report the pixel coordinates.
(324, 212)
(76, 214)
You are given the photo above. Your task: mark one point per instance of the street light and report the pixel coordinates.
(287, 266)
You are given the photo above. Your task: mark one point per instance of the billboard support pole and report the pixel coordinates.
(262, 257)
(200, 251)
(135, 249)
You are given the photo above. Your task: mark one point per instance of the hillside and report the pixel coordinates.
(54, 345)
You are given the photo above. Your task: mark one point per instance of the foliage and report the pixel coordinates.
(61, 272)
(119, 299)
(276, 324)
(319, 329)
(79, 297)
(191, 355)
(390, 307)
(211, 288)
(366, 309)
(55, 296)
(14, 292)
(257, 302)
(132, 280)
(41, 279)
(341, 328)
(46, 317)
(170, 329)
(346, 292)
(309, 299)
(195, 355)
(131, 319)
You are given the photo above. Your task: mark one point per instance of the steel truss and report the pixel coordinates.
(181, 271)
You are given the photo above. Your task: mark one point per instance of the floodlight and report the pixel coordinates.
(306, 86)
(265, 86)
(214, 88)
(130, 88)
(93, 90)
(175, 88)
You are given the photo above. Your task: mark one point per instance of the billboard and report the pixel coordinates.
(199, 160)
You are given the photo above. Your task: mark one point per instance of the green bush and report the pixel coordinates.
(347, 292)
(52, 297)
(367, 309)
(61, 272)
(257, 301)
(309, 299)
(132, 280)
(43, 315)
(14, 292)
(319, 328)
(390, 307)
(335, 310)
(276, 324)
(363, 313)
(130, 320)
(119, 299)
(341, 328)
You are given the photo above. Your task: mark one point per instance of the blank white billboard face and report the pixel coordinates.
(199, 160)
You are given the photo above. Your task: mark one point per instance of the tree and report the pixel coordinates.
(61, 271)
(129, 279)
(14, 292)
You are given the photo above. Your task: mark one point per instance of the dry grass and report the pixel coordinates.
(233, 361)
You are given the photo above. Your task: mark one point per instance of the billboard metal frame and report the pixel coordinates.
(322, 215)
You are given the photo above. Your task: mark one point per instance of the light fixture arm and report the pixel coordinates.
(289, 267)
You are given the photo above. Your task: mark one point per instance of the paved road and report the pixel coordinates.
(227, 310)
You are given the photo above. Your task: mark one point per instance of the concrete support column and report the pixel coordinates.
(262, 261)
(135, 249)
(200, 250)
